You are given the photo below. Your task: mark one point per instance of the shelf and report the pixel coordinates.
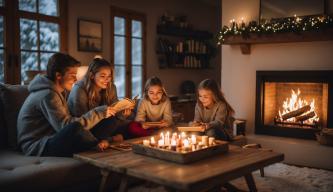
(181, 32)
(307, 36)
(184, 54)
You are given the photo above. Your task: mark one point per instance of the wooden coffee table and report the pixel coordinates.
(198, 176)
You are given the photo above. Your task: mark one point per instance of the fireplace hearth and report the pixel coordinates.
(293, 103)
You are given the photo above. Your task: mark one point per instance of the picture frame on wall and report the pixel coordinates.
(89, 35)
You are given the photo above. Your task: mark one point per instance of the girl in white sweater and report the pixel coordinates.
(154, 107)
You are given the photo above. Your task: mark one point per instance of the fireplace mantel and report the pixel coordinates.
(307, 36)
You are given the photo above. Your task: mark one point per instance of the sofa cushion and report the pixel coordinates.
(28, 173)
(12, 98)
(3, 132)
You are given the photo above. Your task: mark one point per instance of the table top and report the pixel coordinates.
(194, 176)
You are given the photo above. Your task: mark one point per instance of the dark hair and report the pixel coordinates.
(210, 84)
(60, 62)
(94, 97)
(154, 81)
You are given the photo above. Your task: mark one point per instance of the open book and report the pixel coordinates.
(124, 104)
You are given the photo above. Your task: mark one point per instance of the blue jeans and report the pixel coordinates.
(71, 139)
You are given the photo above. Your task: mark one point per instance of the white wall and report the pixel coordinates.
(239, 71)
(201, 16)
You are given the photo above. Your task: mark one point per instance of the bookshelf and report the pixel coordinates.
(183, 48)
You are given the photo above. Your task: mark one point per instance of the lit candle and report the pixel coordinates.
(167, 139)
(204, 140)
(146, 142)
(193, 147)
(162, 136)
(152, 141)
(161, 143)
(211, 141)
(173, 144)
(186, 144)
(183, 135)
(194, 139)
(174, 135)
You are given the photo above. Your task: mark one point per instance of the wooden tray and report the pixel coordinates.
(181, 157)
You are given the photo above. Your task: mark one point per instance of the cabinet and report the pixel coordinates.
(186, 108)
(183, 48)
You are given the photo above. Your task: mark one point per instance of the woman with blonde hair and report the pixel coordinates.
(96, 89)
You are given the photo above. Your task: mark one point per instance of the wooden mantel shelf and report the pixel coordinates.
(245, 44)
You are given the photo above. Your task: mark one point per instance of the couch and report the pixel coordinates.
(27, 173)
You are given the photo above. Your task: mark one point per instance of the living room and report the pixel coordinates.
(237, 64)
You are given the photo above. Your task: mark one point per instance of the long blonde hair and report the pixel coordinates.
(210, 84)
(95, 97)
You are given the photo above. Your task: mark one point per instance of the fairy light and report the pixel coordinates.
(294, 24)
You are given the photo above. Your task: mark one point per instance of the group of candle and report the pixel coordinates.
(179, 142)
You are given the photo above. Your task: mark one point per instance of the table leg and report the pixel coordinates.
(250, 182)
(123, 183)
(105, 180)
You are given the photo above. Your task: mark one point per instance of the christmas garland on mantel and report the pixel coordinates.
(274, 26)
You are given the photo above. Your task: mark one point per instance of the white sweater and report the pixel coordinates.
(147, 112)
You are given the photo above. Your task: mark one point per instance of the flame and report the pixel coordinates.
(295, 102)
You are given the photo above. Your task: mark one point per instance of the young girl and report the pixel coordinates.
(212, 111)
(96, 89)
(154, 107)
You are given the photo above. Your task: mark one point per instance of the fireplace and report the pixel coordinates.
(293, 103)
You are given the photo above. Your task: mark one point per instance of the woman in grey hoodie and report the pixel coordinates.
(45, 126)
(96, 89)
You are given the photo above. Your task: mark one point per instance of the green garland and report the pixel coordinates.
(295, 24)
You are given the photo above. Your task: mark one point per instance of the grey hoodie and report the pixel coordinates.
(44, 113)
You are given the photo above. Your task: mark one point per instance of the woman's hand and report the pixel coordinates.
(110, 111)
(127, 112)
(102, 145)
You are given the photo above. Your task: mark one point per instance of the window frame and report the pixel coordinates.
(12, 56)
(129, 15)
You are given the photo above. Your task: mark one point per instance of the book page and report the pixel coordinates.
(124, 104)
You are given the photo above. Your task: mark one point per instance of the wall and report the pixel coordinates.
(99, 10)
(239, 71)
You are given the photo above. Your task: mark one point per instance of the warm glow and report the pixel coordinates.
(296, 109)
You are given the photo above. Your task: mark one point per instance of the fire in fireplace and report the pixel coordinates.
(293, 103)
(298, 112)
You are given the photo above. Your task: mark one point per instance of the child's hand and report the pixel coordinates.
(163, 124)
(102, 145)
(204, 127)
(145, 126)
(110, 111)
(118, 138)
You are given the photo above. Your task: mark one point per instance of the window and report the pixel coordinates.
(128, 51)
(2, 43)
(37, 32)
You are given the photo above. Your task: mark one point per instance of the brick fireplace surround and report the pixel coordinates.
(272, 89)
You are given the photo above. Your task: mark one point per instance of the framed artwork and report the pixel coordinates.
(89, 35)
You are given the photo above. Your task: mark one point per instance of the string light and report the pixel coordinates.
(294, 24)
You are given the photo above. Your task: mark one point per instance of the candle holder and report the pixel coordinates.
(180, 148)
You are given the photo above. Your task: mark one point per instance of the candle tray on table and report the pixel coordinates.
(180, 155)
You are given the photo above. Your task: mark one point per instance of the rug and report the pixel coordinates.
(279, 177)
